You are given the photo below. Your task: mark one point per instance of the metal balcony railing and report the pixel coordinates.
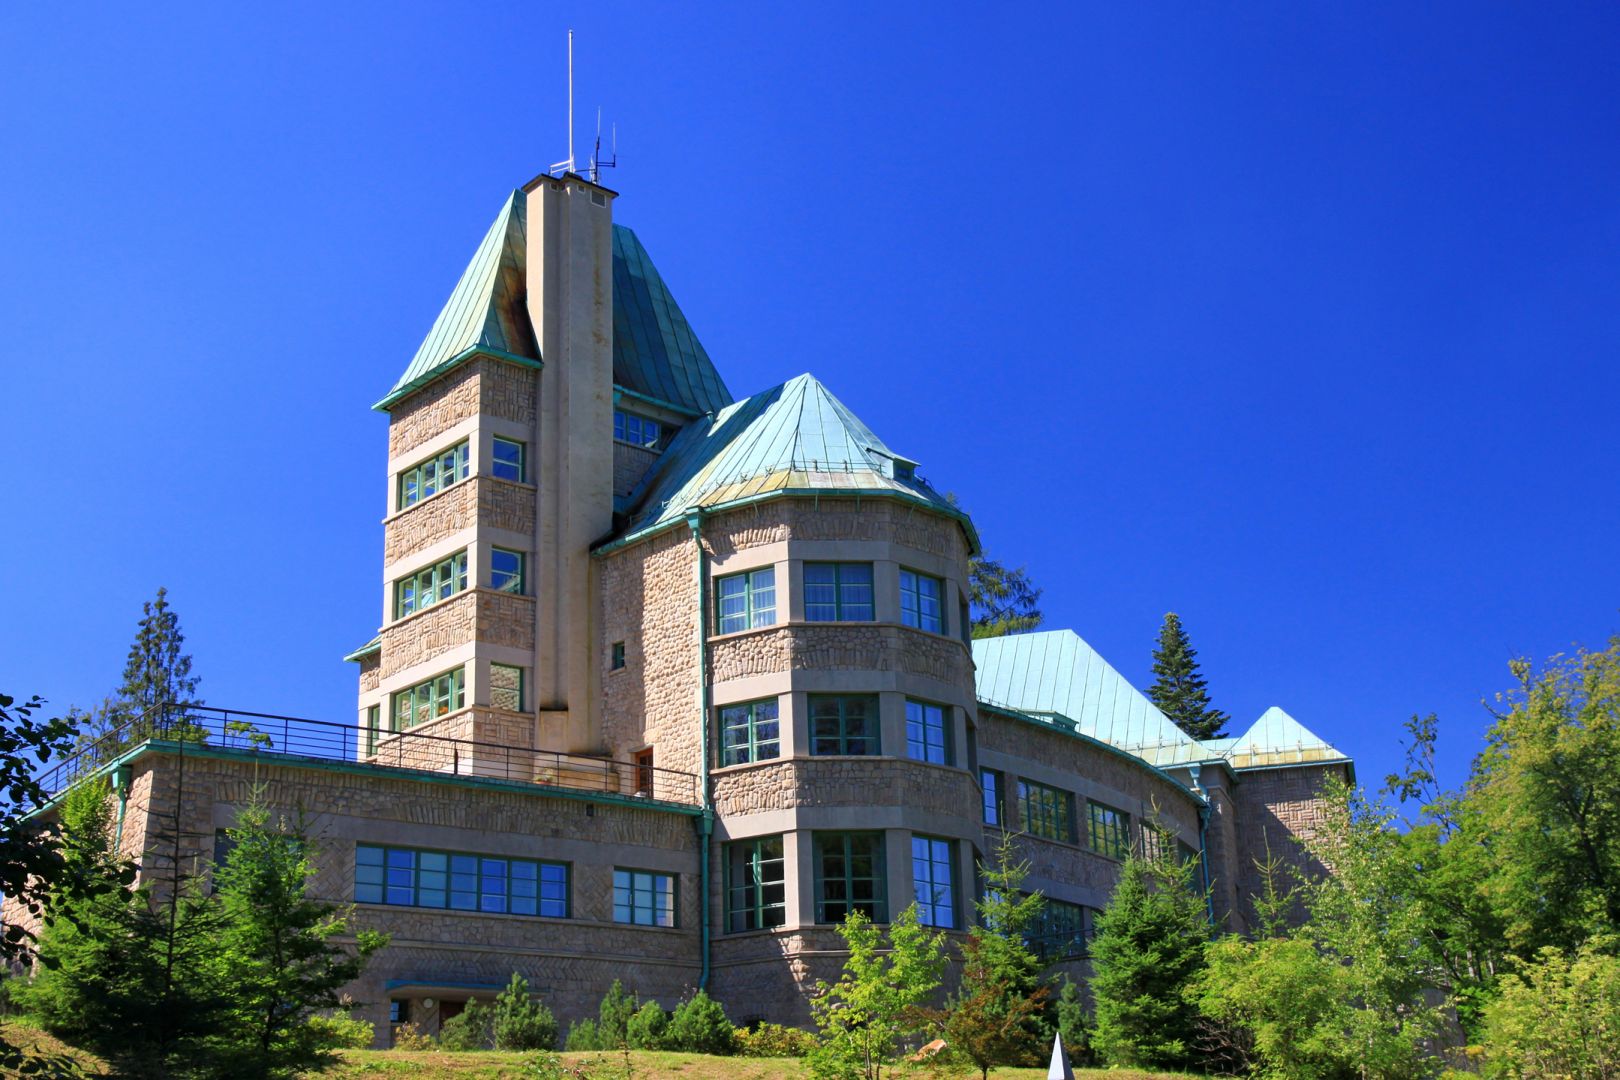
(403, 751)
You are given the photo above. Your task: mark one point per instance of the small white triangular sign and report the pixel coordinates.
(1059, 1069)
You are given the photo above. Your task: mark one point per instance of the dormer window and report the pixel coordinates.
(637, 430)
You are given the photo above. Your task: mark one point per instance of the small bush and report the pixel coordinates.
(774, 1041)
(699, 1026)
(340, 1032)
(648, 1028)
(548, 1066)
(411, 1038)
(521, 1023)
(584, 1035)
(1557, 1017)
(469, 1029)
(613, 1017)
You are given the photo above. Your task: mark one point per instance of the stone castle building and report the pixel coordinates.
(668, 681)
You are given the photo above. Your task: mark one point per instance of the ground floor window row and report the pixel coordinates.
(842, 725)
(1050, 813)
(457, 881)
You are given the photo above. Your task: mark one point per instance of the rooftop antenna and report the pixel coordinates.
(597, 164)
(567, 166)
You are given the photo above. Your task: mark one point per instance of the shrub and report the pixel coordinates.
(340, 1032)
(649, 1027)
(613, 1017)
(1558, 1017)
(774, 1040)
(584, 1035)
(699, 1026)
(409, 1037)
(469, 1029)
(522, 1023)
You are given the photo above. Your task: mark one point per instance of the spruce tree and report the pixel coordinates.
(1178, 689)
(1149, 948)
(157, 671)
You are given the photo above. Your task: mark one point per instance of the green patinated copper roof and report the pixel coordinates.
(372, 646)
(1277, 739)
(485, 311)
(655, 352)
(1055, 674)
(796, 438)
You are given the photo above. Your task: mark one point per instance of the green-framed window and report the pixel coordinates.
(928, 732)
(844, 724)
(429, 700)
(838, 592)
(429, 585)
(373, 727)
(643, 898)
(756, 885)
(849, 876)
(637, 430)
(506, 687)
(508, 459)
(745, 601)
(508, 571)
(616, 656)
(418, 877)
(1058, 932)
(933, 877)
(433, 475)
(1047, 812)
(922, 601)
(750, 732)
(1110, 830)
(990, 786)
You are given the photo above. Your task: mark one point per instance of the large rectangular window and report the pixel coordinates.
(506, 570)
(838, 592)
(990, 785)
(637, 430)
(928, 733)
(426, 587)
(745, 601)
(428, 700)
(433, 475)
(1110, 831)
(506, 687)
(1059, 931)
(643, 898)
(922, 601)
(1046, 811)
(756, 885)
(933, 877)
(844, 724)
(507, 460)
(849, 876)
(443, 879)
(750, 732)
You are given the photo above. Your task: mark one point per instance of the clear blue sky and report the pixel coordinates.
(1300, 320)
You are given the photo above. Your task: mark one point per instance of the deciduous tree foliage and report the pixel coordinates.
(878, 1000)
(1179, 689)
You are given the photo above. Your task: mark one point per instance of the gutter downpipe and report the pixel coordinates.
(705, 821)
(120, 784)
(1203, 844)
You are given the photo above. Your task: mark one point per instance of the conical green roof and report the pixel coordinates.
(655, 352)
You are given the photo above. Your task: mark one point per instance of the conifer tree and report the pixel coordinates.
(1149, 948)
(279, 947)
(157, 671)
(1178, 689)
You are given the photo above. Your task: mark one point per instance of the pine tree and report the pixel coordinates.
(279, 947)
(1002, 600)
(1149, 948)
(1178, 689)
(157, 672)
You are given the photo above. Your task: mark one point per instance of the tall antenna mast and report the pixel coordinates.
(568, 165)
(597, 164)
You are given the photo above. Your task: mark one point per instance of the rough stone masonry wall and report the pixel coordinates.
(630, 464)
(496, 618)
(568, 961)
(880, 647)
(836, 519)
(499, 504)
(1276, 810)
(797, 783)
(493, 387)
